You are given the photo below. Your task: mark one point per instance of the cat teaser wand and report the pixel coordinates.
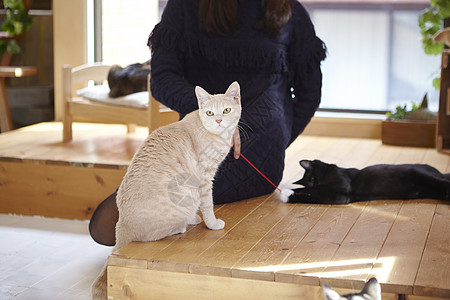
(260, 173)
(284, 194)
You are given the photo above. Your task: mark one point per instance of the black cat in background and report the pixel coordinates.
(329, 184)
(131, 79)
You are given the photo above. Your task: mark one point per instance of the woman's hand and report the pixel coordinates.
(236, 143)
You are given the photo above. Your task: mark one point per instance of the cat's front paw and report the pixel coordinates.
(217, 225)
(195, 220)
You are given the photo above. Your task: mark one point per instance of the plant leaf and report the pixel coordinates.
(13, 47)
(437, 83)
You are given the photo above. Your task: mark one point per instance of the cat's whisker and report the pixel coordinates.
(245, 124)
(244, 133)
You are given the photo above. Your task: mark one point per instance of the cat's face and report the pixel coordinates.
(220, 113)
(316, 173)
(371, 291)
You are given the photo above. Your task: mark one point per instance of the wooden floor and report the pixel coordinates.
(270, 250)
(47, 258)
(267, 249)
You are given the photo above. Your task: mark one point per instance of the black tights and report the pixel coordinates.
(102, 226)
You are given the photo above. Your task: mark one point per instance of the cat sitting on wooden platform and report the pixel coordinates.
(170, 176)
(329, 184)
(371, 291)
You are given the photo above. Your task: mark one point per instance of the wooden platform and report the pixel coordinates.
(270, 250)
(41, 175)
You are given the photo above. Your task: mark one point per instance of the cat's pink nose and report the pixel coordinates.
(218, 121)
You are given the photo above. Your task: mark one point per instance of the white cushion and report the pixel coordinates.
(100, 93)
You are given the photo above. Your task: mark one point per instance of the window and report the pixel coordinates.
(125, 28)
(375, 58)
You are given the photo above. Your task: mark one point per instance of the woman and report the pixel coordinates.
(270, 48)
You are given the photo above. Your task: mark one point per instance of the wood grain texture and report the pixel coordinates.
(309, 245)
(128, 283)
(54, 190)
(403, 248)
(265, 244)
(433, 277)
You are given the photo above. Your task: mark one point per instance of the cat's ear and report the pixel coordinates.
(329, 293)
(234, 91)
(202, 96)
(306, 164)
(373, 288)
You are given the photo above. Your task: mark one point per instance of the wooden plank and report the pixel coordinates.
(433, 277)
(365, 149)
(304, 147)
(264, 259)
(146, 251)
(438, 160)
(95, 143)
(344, 127)
(310, 257)
(353, 261)
(410, 155)
(114, 260)
(403, 248)
(385, 154)
(238, 241)
(131, 283)
(179, 250)
(55, 191)
(341, 149)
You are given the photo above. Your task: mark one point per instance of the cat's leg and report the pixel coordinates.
(206, 207)
(318, 196)
(178, 231)
(195, 220)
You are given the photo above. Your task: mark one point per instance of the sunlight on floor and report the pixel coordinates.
(342, 268)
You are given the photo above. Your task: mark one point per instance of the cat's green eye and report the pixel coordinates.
(209, 113)
(227, 110)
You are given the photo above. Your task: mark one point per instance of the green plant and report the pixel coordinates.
(16, 22)
(431, 20)
(401, 111)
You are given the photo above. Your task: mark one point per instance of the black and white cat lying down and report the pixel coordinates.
(329, 184)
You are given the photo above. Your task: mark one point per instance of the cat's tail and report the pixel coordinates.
(98, 290)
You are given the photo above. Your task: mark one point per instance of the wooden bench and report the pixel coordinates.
(270, 250)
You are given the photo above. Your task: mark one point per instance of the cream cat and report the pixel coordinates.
(170, 176)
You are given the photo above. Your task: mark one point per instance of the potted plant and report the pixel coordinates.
(415, 126)
(16, 21)
(431, 21)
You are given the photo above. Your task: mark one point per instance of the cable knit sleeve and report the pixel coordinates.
(167, 82)
(306, 51)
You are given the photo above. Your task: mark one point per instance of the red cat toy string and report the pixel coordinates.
(260, 173)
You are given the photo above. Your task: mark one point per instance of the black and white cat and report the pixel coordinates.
(329, 184)
(371, 291)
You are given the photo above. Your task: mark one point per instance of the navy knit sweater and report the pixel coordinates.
(280, 81)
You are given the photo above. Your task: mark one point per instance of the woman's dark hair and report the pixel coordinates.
(219, 17)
